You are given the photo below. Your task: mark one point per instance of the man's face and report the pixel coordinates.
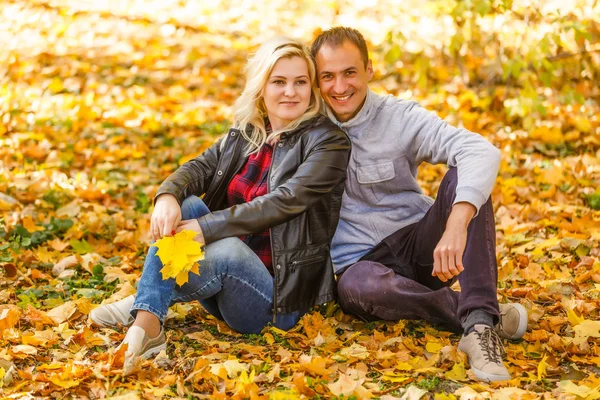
(343, 79)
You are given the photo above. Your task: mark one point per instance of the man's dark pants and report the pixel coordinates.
(393, 281)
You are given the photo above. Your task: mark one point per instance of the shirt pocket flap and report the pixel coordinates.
(373, 173)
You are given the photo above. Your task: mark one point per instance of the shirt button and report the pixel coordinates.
(219, 173)
(232, 133)
(272, 179)
(278, 266)
(280, 144)
(278, 309)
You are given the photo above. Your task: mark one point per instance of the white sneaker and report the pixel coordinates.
(140, 346)
(113, 315)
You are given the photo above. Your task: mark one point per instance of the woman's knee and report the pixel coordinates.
(193, 207)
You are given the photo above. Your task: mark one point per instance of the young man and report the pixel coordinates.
(396, 251)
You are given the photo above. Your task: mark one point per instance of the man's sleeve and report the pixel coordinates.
(436, 142)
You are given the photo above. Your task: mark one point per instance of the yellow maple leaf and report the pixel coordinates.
(179, 255)
(542, 368)
(574, 319)
(585, 329)
(458, 373)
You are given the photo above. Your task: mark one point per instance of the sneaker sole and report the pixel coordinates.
(485, 377)
(153, 351)
(522, 323)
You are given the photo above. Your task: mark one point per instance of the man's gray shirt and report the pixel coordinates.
(390, 139)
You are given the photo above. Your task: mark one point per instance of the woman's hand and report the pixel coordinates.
(193, 225)
(165, 217)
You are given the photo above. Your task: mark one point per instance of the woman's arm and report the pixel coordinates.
(323, 168)
(191, 178)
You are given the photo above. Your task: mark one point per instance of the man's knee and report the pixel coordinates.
(358, 285)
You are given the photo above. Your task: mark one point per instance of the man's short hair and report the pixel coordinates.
(336, 36)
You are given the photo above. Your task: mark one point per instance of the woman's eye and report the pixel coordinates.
(303, 82)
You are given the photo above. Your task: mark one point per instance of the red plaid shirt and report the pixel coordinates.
(249, 183)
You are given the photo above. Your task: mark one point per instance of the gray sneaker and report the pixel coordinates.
(513, 321)
(485, 351)
(140, 346)
(114, 314)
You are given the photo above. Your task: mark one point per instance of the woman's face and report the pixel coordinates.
(288, 90)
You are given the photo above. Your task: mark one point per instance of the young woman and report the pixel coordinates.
(272, 190)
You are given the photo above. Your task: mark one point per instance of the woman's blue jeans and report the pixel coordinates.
(234, 285)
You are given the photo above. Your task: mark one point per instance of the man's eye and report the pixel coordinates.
(350, 72)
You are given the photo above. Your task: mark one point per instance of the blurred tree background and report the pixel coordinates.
(100, 101)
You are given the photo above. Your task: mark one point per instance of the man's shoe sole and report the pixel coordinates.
(153, 351)
(484, 377)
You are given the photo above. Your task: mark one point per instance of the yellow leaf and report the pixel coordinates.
(444, 396)
(580, 391)
(283, 395)
(345, 385)
(9, 317)
(179, 255)
(546, 134)
(356, 351)
(233, 368)
(542, 368)
(433, 347)
(574, 319)
(63, 312)
(63, 383)
(314, 365)
(404, 366)
(56, 85)
(458, 373)
(394, 378)
(587, 328)
(269, 338)
(24, 349)
(29, 224)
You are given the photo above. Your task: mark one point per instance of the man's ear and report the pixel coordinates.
(369, 69)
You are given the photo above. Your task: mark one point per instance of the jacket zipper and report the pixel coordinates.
(275, 269)
(307, 260)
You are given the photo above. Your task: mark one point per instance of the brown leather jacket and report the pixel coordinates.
(301, 208)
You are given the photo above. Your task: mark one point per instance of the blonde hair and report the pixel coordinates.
(249, 109)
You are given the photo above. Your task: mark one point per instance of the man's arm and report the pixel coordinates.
(477, 162)
(448, 254)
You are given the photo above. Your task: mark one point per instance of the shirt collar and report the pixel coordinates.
(359, 118)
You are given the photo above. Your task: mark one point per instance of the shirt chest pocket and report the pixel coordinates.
(376, 180)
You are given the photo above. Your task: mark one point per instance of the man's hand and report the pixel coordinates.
(193, 225)
(165, 217)
(448, 254)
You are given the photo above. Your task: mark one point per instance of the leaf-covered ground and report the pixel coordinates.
(100, 101)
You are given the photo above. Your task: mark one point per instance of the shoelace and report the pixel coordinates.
(491, 345)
